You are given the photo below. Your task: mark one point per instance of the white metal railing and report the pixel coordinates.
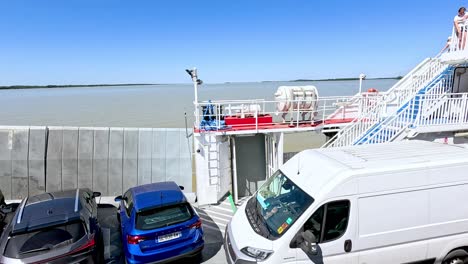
(408, 116)
(400, 94)
(349, 134)
(457, 50)
(416, 79)
(261, 114)
(451, 112)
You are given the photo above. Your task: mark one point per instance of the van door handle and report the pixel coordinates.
(348, 245)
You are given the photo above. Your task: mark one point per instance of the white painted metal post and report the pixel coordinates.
(234, 170)
(195, 103)
(280, 148)
(297, 116)
(193, 74)
(256, 118)
(463, 109)
(362, 76)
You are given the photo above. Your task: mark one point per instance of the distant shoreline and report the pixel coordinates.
(346, 79)
(141, 84)
(70, 85)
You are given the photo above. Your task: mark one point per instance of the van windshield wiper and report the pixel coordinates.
(260, 217)
(270, 231)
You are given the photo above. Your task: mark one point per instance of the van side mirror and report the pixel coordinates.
(2, 199)
(309, 244)
(296, 241)
(181, 187)
(117, 199)
(96, 194)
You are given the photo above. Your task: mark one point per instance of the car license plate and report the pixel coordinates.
(169, 236)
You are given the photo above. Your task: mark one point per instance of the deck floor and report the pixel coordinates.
(285, 126)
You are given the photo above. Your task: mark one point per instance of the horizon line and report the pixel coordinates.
(20, 86)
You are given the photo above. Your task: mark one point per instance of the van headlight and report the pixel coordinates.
(258, 254)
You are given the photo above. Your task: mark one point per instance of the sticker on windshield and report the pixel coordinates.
(289, 220)
(261, 200)
(282, 228)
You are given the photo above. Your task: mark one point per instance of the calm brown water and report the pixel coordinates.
(149, 106)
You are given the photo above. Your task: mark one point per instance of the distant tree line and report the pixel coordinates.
(69, 85)
(347, 79)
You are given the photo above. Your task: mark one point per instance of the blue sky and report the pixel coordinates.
(111, 41)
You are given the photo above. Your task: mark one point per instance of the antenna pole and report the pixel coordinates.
(195, 88)
(362, 76)
(195, 85)
(193, 74)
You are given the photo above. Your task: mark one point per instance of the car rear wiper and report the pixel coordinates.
(49, 247)
(36, 250)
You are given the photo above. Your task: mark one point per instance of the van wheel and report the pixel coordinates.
(455, 261)
(458, 256)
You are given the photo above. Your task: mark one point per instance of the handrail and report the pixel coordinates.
(408, 116)
(400, 94)
(457, 51)
(318, 112)
(347, 135)
(408, 77)
(452, 111)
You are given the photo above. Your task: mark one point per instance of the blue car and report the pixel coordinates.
(158, 224)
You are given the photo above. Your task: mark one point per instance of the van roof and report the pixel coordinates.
(414, 151)
(317, 167)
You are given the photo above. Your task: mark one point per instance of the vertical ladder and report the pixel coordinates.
(213, 160)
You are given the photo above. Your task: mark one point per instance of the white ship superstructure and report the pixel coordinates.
(239, 143)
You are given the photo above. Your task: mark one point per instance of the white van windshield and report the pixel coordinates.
(276, 206)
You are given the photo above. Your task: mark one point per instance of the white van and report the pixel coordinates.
(403, 202)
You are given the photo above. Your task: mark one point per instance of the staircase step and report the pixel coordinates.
(392, 127)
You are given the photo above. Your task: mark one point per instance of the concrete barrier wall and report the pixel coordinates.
(110, 160)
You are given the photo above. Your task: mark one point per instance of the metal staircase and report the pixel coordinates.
(391, 116)
(395, 126)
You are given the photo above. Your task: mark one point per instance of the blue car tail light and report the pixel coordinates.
(196, 225)
(134, 240)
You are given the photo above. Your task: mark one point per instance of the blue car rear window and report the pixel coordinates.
(164, 216)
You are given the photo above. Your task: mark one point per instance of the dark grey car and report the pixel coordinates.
(56, 227)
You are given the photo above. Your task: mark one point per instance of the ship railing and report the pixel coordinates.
(349, 134)
(446, 112)
(457, 50)
(407, 116)
(256, 114)
(396, 97)
(425, 113)
(416, 79)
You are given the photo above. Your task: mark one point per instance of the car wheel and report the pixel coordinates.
(458, 256)
(198, 258)
(99, 256)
